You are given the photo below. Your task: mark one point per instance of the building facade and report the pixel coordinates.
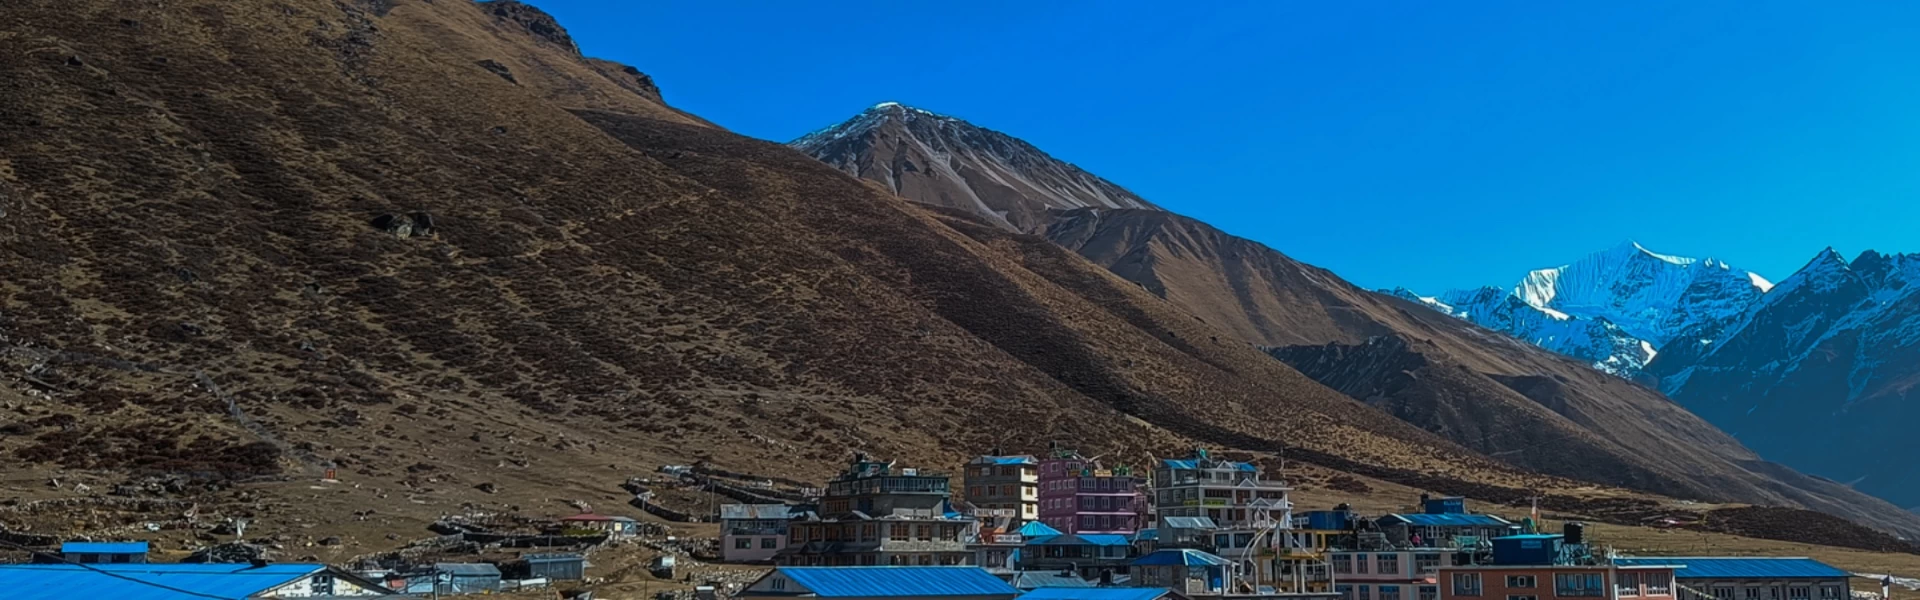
(1079, 495)
(1404, 574)
(876, 514)
(1005, 483)
(1232, 510)
(753, 533)
(1561, 582)
(1553, 566)
(1235, 495)
(1752, 578)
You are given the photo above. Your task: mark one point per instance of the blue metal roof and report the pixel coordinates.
(61, 582)
(897, 581)
(1188, 463)
(1451, 519)
(1182, 556)
(1079, 539)
(1036, 529)
(1006, 460)
(1149, 534)
(103, 548)
(1731, 567)
(1530, 536)
(1065, 593)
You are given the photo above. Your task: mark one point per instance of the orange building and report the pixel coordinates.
(1566, 582)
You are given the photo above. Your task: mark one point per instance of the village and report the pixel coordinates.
(1062, 526)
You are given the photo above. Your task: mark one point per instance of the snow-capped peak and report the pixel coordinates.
(1678, 260)
(1614, 306)
(866, 121)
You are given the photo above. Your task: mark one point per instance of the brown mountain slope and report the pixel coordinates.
(1479, 388)
(248, 240)
(948, 162)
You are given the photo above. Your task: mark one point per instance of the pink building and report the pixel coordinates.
(1079, 495)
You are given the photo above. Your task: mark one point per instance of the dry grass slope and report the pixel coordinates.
(193, 283)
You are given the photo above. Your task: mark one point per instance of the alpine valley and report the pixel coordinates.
(1486, 391)
(346, 268)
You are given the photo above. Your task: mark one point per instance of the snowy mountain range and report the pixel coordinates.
(1614, 309)
(1821, 373)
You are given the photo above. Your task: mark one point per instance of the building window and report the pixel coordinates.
(742, 543)
(1628, 584)
(1342, 564)
(1389, 592)
(1426, 562)
(1429, 592)
(1466, 584)
(322, 583)
(1529, 597)
(768, 543)
(1726, 593)
(1799, 593)
(1389, 564)
(1360, 564)
(778, 583)
(1661, 584)
(1366, 592)
(1521, 581)
(1344, 591)
(1829, 592)
(1576, 585)
(1753, 593)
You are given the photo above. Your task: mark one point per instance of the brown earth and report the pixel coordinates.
(589, 284)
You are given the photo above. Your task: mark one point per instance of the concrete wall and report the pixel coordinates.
(757, 549)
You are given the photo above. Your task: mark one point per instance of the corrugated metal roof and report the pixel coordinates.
(1189, 522)
(1095, 594)
(1147, 534)
(552, 557)
(755, 511)
(1736, 567)
(1191, 558)
(1028, 580)
(1530, 536)
(63, 582)
(897, 581)
(104, 548)
(468, 569)
(1451, 519)
(1036, 529)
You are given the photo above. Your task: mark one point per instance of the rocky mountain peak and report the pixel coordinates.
(937, 159)
(537, 22)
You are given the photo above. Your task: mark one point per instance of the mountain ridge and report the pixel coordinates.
(1818, 372)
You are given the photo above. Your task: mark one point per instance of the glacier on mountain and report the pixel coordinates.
(1614, 308)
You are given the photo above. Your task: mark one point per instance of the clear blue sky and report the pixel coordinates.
(1426, 144)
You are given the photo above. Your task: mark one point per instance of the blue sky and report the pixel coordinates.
(1426, 144)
